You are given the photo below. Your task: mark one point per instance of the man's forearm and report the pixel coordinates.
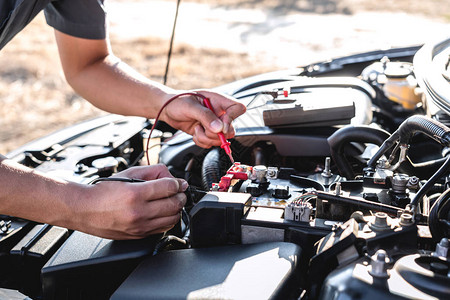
(120, 89)
(27, 194)
(98, 76)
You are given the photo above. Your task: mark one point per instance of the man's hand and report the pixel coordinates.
(191, 116)
(121, 210)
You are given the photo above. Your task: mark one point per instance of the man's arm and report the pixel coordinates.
(108, 83)
(115, 210)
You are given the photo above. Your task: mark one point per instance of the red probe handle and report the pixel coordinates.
(225, 144)
(207, 103)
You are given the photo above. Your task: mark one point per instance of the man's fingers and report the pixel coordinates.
(153, 226)
(209, 119)
(159, 188)
(183, 185)
(146, 172)
(225, 107)
(163, 224)
(201, 139)
(156, 171)
(233, 111)
(164, 207)
(220, 120)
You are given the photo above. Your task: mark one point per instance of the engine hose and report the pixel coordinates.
(443, 170)
(417, 123)
(439, 209)
(346, 135)
(211, 169)
(430, 127)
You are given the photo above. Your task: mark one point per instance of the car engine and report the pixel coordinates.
(340, 190)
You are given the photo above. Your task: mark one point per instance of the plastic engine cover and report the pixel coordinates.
(257, 271)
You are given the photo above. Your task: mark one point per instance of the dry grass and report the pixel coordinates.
(189, 67)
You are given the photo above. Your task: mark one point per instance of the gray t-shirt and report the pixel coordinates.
(80, 18)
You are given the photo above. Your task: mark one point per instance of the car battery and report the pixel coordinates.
(225, 218)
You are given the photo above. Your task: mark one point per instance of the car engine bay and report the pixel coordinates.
(340, 190)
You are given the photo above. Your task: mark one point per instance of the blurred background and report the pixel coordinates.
(216, 42)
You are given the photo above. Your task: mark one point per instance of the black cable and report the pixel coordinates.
(120, 179)
(138, 158)
(170, 242)
(169, 55)
(443, 170)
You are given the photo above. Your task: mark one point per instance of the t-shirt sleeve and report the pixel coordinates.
(79, 18)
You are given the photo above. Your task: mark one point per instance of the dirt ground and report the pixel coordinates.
(35, 99)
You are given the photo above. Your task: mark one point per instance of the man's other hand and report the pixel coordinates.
(191, 116)
(122, 210)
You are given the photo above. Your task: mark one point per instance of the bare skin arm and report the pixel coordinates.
(96, 74)
(115, 210)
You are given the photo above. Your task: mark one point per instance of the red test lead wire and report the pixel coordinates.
(159, 114)
(225, 145)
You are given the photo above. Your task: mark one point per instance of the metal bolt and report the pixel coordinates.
(442, 248)
(260, 173)
(380, 223)
(80, 168)
(406, 219)
(327, 169)
(380, 219)
(383, 163)
(337, 189)
(399, 182)
(413, 183)
(272, 172)
(215, 187)
(4, 226)
(384, 60)
(378, 265)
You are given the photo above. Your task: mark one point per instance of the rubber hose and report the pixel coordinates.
(417, 123)
(433, 220)
(211, 169)
(430, 127)
(346, 135)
